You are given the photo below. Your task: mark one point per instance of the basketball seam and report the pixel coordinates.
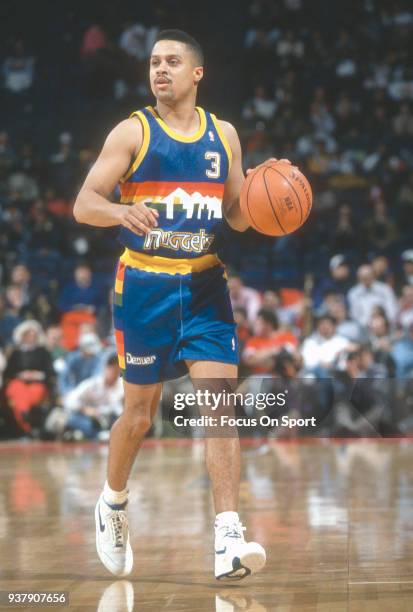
(248, 206)
(292, 187)
(269, 198)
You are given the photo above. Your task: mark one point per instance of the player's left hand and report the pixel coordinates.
(271, 159)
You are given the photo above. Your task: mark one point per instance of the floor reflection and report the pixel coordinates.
(117, 597)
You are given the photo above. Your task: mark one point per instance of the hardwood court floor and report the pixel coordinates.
(335, 518)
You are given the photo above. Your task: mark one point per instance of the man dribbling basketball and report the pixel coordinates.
(179, 169)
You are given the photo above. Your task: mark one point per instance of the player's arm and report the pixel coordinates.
(233, 184)
(92, 205)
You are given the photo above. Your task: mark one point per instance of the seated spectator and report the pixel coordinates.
(406, 277)
(403, 122)
(36, 304)
(64, 166)
(369, 293)
(402, 354)
(81, 364)
(268, 340)
(261, 107)
(405, 314)
(79, 301)
(289, 315)
(244, 297)
(359, 404)
(290, 46)
(12, 312)
(22, 185)
(29, 376)
(381, 270)
(58, 353)
(95, 404)
(381, 231)
(321, 350)
(18, 70)
(81, 293)
(346, 327)
(379, 332)
(381, 342)
(345, 235)
(338, 282)
(405, 201)
(20, 276)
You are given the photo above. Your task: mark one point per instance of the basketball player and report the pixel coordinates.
(179, 170)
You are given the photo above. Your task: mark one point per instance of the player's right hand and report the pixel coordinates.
(139, 218)
(271, 159)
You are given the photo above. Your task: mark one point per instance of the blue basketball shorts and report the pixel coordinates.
(162, 319)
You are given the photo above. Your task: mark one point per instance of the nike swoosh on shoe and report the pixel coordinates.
(101, 525)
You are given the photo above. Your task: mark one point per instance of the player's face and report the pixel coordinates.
(173, 71)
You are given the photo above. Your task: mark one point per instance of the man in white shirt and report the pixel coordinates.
(96, 402)
(321, 350)
(368, 294)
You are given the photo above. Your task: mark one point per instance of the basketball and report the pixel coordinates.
(276, 198)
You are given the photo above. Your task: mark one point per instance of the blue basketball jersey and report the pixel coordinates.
(183, 178)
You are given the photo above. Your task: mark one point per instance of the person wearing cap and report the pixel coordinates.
(82, 363)
(339, 280)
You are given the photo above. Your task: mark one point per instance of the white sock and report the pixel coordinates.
(225, 518)
(114, 497)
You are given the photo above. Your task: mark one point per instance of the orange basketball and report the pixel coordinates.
(276, 198)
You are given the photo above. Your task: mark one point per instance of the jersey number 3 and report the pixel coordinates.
(215, 170)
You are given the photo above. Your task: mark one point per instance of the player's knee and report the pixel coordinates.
(139, 419)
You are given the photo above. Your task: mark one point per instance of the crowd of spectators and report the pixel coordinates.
(330, 90)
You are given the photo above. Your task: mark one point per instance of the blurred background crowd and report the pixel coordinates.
(330, 90)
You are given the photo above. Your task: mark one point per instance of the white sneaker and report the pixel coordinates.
(235, 558)
(112, 537)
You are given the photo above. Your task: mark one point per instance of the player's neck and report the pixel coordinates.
(182, 118)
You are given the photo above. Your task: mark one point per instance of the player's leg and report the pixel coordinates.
(128, 432)
(112, 531)
(234, 558)
(222, 453)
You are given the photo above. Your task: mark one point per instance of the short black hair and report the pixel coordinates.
(269, 316)
(325, 316)
(183, 37)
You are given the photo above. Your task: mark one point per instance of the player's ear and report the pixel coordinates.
(198, 74)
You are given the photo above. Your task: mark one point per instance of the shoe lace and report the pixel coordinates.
(234, 531)
(117, 521)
